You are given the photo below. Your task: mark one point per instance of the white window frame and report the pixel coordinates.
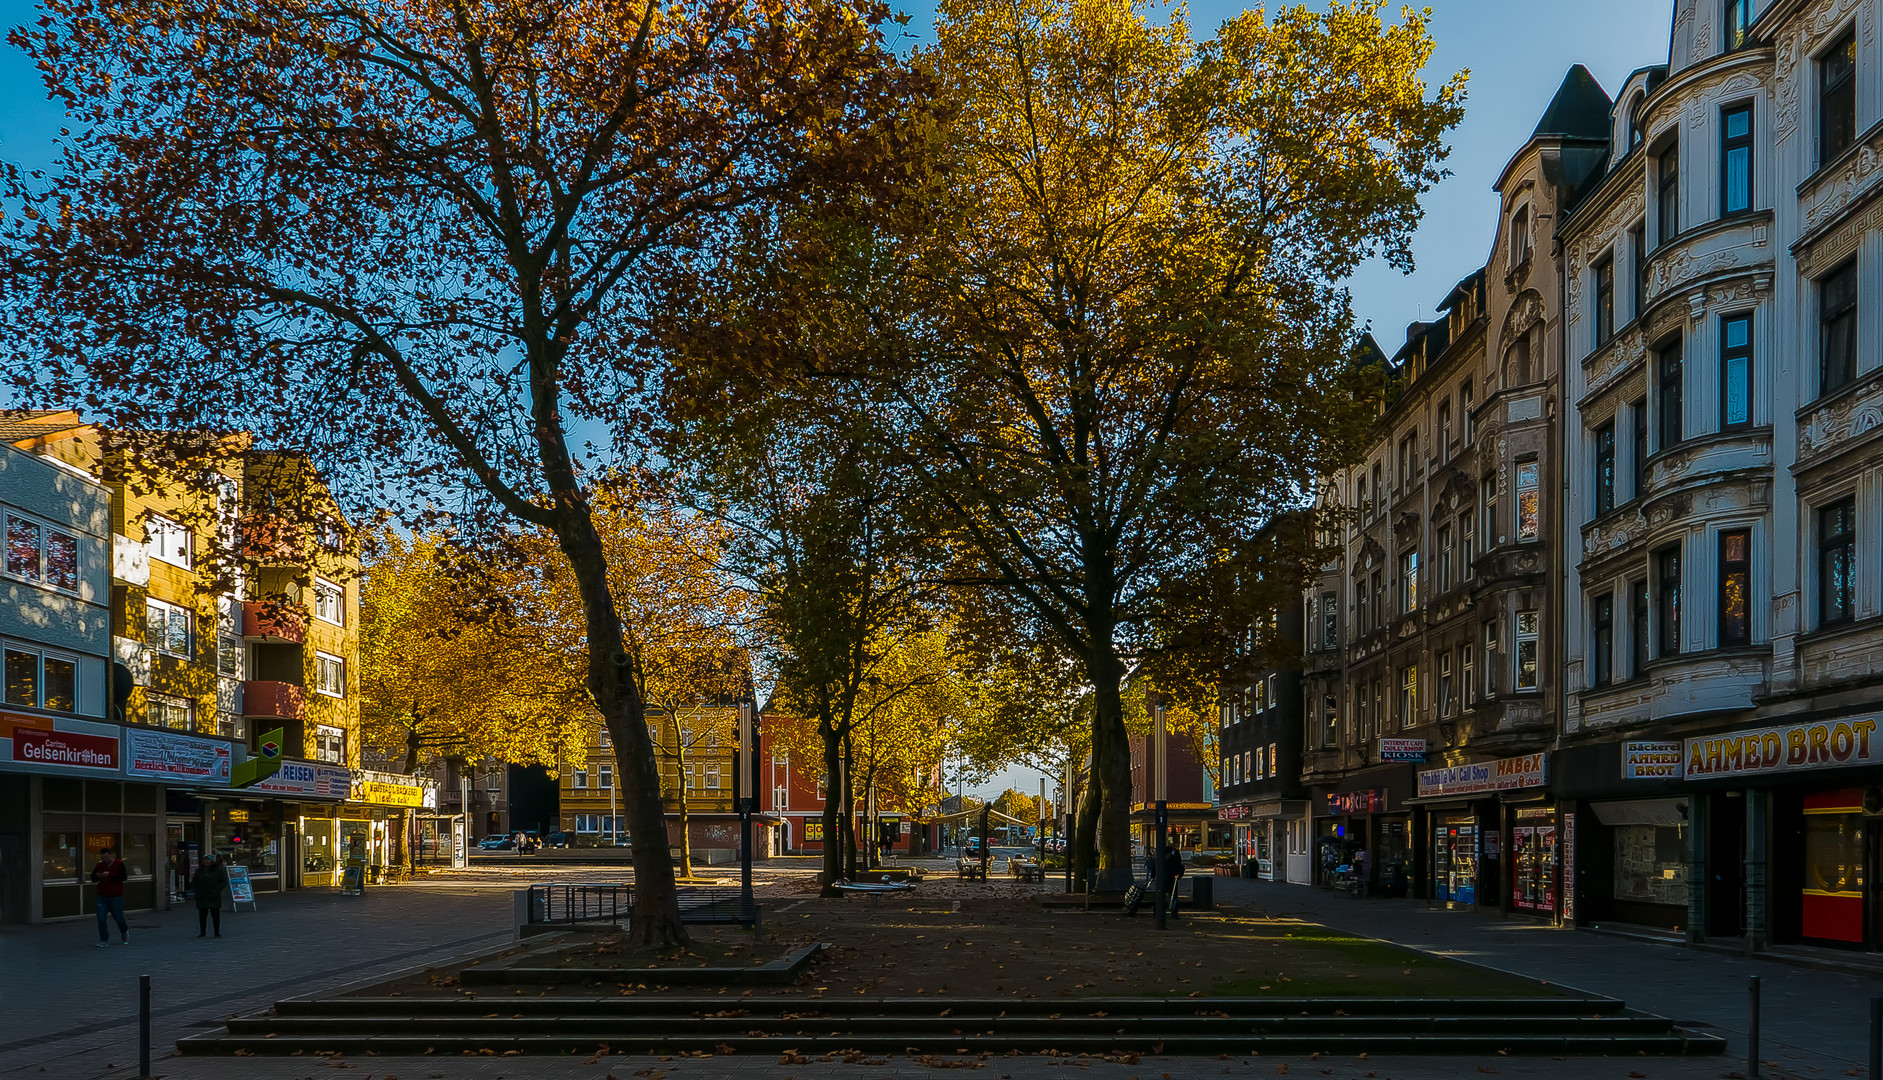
(228, 645)
(781, 797)
(320, 674)
(154, 702)
(604, 776)
(168, 609)
(578, 779)
(1530, 641)
(711, 773)
(40, 656)
(47, 530)
(330, 594)
(330, 744)
(162, 536)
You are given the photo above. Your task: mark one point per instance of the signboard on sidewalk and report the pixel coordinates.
(1504, 774)
(166, 755)
(241, 890)
(1825, 744)
(66, 748)
(1651, 760)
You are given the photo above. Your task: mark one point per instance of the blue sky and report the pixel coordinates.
(1517, 51)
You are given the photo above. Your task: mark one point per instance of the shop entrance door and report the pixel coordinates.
(183, 852)
(1533, 862)
(1726, 866)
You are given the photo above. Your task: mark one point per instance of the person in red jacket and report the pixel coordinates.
(109, 876)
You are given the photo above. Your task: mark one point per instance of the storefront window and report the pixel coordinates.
(1533, 870)
(136, 849)
(1455, 860)
(59, 856)
(1651, 864)
(1834, 852)
(244, 838)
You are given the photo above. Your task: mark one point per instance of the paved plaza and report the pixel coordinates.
(70, 1008)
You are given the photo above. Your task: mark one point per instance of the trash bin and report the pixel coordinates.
(1248, 869)
(1202, 892)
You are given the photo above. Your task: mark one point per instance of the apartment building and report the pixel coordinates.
(1429, 701)
(1726, 383)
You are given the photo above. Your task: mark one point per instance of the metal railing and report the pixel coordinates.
(562, 904)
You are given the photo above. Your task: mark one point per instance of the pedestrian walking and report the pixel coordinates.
(1173, 869)
(1362, 871)
(109, 876)
(212, 880)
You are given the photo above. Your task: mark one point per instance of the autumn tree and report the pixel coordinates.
(448, 669)
(411, 237)
(1118, 339)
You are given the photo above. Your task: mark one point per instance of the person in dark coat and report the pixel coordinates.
(109, 876)
(212, 880)
(1173, 869)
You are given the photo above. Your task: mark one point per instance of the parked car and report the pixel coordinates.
(496, 842)
(557, 839)
(623, 841)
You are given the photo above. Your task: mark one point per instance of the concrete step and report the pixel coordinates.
(1512, 1042)
(987, 1008)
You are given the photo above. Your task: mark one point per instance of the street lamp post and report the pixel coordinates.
(745, 778)
(1160, 793)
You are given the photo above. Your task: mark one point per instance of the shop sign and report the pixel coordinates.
(11, 723)
(308, 781)
(814, 831)
(1504, 774)
(165, 755)
(1651, 760)
(1232, 813)
(1402, 749)
(1371, 801)
(1827, 744)
(381, 793)
(66, 748)
(1569, 867)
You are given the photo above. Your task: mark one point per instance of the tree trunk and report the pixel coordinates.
(1111, 768)
(849, 810)
(1084, 851)
(680, 799)
(833, 849)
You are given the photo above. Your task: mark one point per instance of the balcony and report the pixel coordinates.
(273, 540)
(274, 623)
(264, 699)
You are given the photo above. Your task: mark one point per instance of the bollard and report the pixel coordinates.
(1876, 1037)
(1752, 1027)
(143, 1027)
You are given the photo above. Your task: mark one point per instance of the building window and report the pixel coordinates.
(1444, 685)
(1668, 202)
(1638, 260)
(1257, 697)
(330, 675)
(1638, 629)
(579, 779)
(40, 553)
(1638, 413)
(1735, 588)
(1736, 159)
(228, 656)
(1467, 544)
(41, 680)
(781, 797)
(1635, 134)
(1738, 20)
(1408, 462)
(1444, 430)
(712, 776)
(1837, 328)
(1667, 615)
(605, 777)
(168, 541)
(1604, 301)
(330, 602)
(1359, 495)
(1444, 558)
(175, 713)
(1274, 694)
(1330, 621)
(1362, 609)
(1490, 659)
(1669, 368)
(330, 744)
(1837, 98)
(168, 627)
(1602, 648)
(1409, 582)
(1605, 468)
(1529, 500)
(1468, 674)
(1837, 544)
(1527, 645)
(1465, 428)
(1330, 720)
(1409, 696)
(329, 533)
(1736, 371)
(1520, 237)
(1379, 490)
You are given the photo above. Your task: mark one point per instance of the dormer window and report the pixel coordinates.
(1635, 134)
(1520, 237)
(1738, 22)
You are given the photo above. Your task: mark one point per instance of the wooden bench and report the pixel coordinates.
(971, 869)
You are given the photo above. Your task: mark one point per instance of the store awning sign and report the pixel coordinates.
(1371, 801)
(66, 748)
(1826, 744)
(380, 793)
(1504, 774)
(1651, 760)
(305, 780)
(164, 755)
(1402, 749)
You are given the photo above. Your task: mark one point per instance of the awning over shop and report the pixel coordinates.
(1641, 812)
